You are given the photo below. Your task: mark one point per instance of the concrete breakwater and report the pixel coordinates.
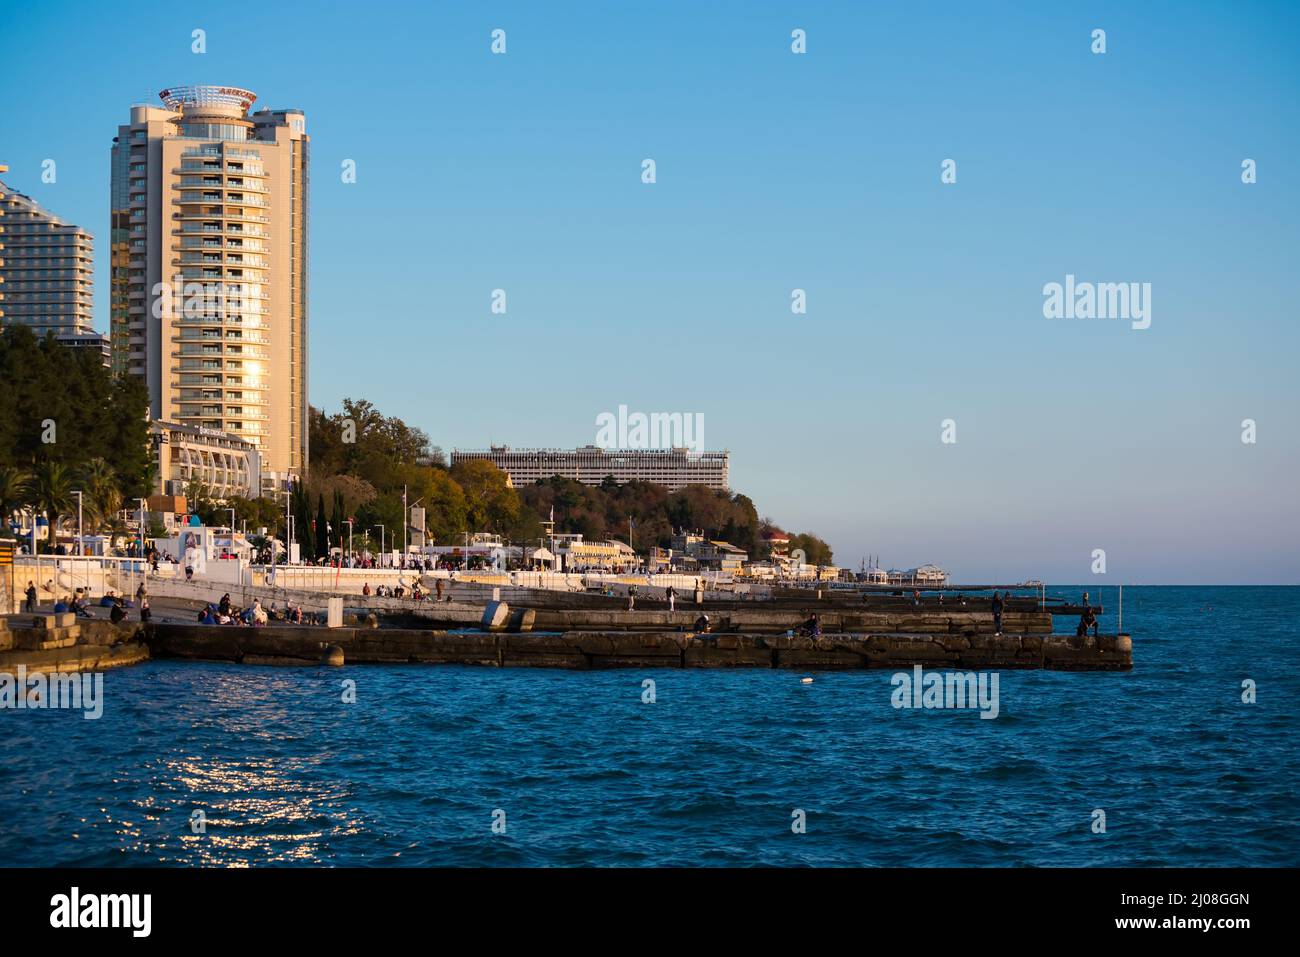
(559, 611)
(64, 644)
(929, 620)
(640, 649)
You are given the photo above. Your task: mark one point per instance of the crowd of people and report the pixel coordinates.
(415, 592)
(225, 612)
(78, 602)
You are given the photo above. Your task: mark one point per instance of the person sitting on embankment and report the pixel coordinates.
(812, 628)
(78, 606)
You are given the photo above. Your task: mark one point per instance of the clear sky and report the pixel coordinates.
(778, 171)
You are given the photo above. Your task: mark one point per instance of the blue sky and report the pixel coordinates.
(775, 172)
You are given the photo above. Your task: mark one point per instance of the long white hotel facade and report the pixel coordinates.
(591, 465)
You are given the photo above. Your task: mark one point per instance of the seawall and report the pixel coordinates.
(60, 643)
(621, 649)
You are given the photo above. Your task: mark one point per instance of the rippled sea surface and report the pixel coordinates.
(710, 773)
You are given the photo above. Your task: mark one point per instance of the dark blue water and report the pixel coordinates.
(709, 774)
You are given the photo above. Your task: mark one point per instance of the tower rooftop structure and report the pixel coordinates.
(201, 99)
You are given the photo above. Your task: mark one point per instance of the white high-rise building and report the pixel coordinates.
(209, 267)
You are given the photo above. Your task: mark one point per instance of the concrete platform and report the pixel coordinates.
(643, 649)
(75, 658)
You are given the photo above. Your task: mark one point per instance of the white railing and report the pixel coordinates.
(59, 576)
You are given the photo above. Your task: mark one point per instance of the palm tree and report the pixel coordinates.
(13, 492)
(102, 495)
(51, 493)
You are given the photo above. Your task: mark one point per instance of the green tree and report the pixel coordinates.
(490, 503)
(322, 531)
(60, 404)
(51, 493)
(300, 505)
(14, 484)
(816, 551)
(103, 497)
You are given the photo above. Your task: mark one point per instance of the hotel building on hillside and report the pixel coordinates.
(226, 464)
(48, 274)
(672, 468)
(209, 268)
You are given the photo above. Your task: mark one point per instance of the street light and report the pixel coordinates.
(349, 521)
(141, 501)
(81, 545)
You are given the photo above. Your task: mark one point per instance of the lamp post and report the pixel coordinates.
(81, 545)
(349, 539)
(381, 545)
(141, 501)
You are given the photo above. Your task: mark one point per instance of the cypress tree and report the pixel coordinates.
(322, 529)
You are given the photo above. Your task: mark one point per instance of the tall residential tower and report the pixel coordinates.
(48, 273)
(209, 267)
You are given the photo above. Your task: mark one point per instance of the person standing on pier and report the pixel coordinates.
(31, 597)
(998, 605)
(671, 595)
(1087, 620)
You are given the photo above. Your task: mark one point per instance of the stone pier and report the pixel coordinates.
(640, 649)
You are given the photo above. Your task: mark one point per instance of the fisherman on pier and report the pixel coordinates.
(1087, 620)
